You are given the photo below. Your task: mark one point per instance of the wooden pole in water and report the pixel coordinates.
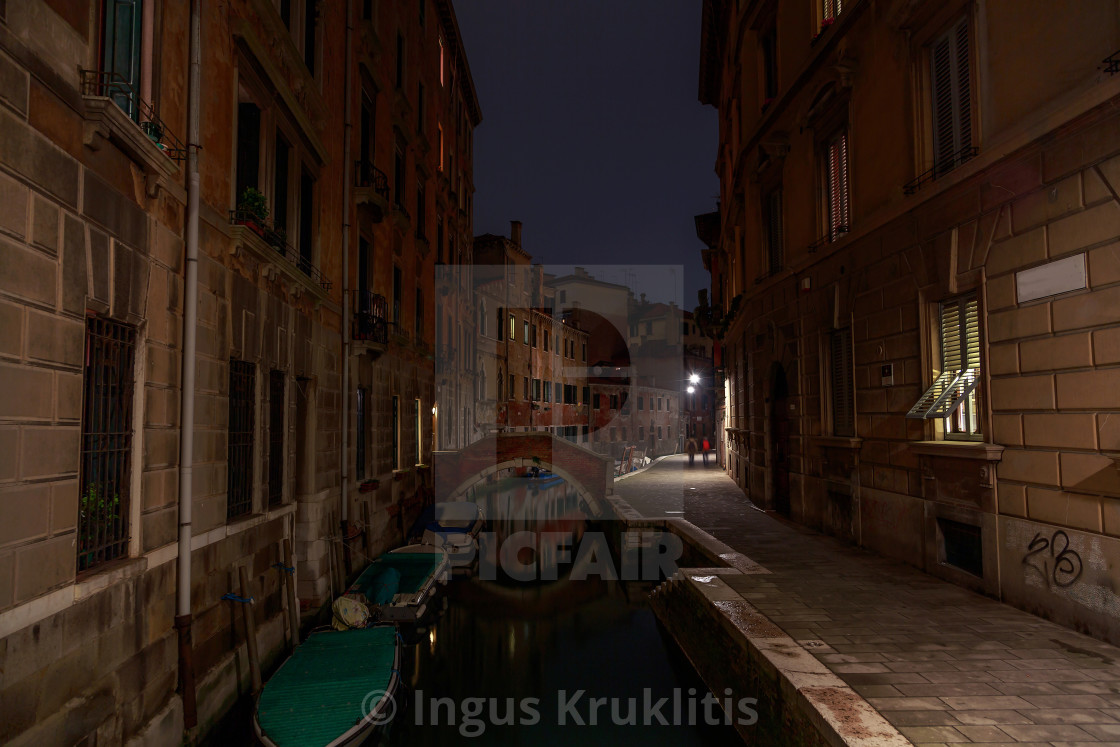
(250, 632)
(290, 587)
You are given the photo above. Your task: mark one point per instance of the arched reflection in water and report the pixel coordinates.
(504, 643)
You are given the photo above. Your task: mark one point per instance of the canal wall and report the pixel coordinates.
(735, 647)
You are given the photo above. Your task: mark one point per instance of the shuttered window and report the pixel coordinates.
(952, 397)
(951, 93)
(831, 8)
(841, 383)
(837, 187)
(773, 238)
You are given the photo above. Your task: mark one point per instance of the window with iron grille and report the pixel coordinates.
(396, 432)
(103, 507)
(951, 98)
(952, 398)
(239, 483)
(772, 234)
(837, 189)
(360, 436)
(419, 433)
(275, 438)
(841, 382)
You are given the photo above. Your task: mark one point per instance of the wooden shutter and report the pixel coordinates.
(841, 375)
(951, 353)
(837, 178)
(121, 53)
(960, 360)
(774, 237)
(950, 87)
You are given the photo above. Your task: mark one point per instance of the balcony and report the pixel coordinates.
(369, 322)
(276, 255)
(115, 112)
(371, 189)
(940, 169)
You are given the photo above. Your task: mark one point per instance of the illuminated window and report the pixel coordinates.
(952, 398)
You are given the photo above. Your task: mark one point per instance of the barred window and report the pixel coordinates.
(360, 436)
(242, 380)
(103, 507)
(275, 438)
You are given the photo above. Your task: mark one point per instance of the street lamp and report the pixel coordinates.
(691, 389)
(693, 379)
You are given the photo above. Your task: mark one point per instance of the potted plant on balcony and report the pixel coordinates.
(96, 509)
(252, 210)
(154, 131)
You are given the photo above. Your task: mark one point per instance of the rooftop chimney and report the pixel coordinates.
(515, 232)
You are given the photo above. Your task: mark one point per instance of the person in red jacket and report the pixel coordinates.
(704, 451)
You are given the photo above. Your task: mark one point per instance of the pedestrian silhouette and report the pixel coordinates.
(704, 451)
(691, 451)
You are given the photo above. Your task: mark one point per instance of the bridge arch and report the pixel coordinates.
(589, 473)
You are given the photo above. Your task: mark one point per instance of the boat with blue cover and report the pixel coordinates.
(335, 689)
(398, 585)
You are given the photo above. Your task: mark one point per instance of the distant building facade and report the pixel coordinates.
(915, 287)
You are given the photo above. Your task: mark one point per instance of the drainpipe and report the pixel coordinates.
(344, 526)
(186, 410)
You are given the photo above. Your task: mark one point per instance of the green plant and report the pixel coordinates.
(253, 202)
(95, 511)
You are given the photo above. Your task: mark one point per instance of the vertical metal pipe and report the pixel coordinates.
(346, 132)
(186, 410)
(290, 588)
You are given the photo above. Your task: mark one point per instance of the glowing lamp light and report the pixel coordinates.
(694, 379)
(434, 409)
(691, 389)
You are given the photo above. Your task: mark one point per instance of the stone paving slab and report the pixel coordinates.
(942, 664)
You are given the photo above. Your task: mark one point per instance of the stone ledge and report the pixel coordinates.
(958, 450)
(836, 442)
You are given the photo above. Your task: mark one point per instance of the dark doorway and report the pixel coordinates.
(779, 438)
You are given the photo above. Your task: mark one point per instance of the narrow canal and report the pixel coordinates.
(525, 663)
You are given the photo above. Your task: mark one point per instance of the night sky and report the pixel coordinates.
(592, 134)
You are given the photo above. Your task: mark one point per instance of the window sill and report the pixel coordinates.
(104, 120)
(837, 442)
(977, 450)
(295, 281)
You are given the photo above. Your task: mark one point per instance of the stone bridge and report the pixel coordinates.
(589, 473)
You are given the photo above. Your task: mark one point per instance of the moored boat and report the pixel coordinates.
(452, 526)
(397, 586)
(335, 689)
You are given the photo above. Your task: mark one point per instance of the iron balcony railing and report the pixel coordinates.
(113, 86)
(278, 241)
(366, 175)
(941, 168)
(370, 321)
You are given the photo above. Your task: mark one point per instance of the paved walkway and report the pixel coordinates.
(944, 665)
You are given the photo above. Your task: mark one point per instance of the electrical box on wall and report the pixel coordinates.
(886, 371)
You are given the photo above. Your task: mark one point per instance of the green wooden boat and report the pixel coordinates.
(335, 689)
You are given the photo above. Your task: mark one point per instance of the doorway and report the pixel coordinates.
(779, 439)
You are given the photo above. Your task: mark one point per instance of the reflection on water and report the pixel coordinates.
(496, 647)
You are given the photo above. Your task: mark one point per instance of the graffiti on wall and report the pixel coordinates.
(1061, 567)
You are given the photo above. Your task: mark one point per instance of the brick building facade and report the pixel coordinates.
(93, 215)
(914, 283)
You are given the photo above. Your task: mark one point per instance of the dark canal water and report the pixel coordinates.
(522, 663)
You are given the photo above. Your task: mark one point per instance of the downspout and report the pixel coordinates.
(344, 526)
(186, 410)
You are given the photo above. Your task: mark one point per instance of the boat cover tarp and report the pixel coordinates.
(316, 695)
(415, 568)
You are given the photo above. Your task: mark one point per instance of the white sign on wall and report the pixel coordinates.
(1050, 279)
